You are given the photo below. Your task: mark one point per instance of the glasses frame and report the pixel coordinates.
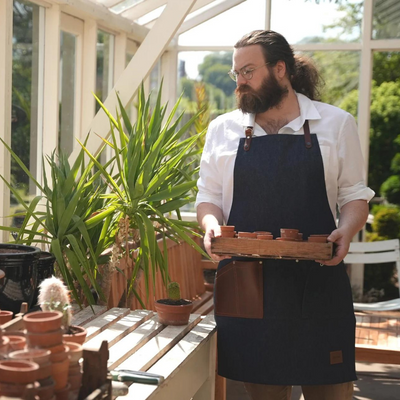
(246, 73)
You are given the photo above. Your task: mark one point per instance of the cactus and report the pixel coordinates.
(54, 296)
(174, 291)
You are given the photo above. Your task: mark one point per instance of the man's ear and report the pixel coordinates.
(280, 69)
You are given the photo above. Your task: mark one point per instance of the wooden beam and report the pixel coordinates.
(208, 14)
(142, 8)
(139, 67)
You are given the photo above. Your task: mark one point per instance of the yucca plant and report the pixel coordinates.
(62, 217)
(153, 176)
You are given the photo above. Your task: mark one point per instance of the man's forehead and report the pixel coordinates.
(247, 55)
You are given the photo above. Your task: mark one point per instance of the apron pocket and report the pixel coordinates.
(327, 293)
(239, 290)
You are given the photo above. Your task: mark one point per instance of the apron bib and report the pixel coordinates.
(283, 322)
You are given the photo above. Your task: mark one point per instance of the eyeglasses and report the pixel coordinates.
(246, 73)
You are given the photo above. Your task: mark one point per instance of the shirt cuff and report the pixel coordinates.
(356, 192)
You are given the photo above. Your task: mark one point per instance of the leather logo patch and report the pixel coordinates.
(336, 357)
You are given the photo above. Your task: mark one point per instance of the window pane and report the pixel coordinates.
(303, 21)
(67, 92)
(227, 28)
(386, 19)
(24, 122)
(340, 72)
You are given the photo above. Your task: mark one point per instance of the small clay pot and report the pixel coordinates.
(42, 321)
(289, 233)
(74, 368)
(79, 335)
(40, 357)
(18, 371)
(263, 233)
(228, 234)
(60, 374)
(247, 235)
(5, 316)
(300, 236)
(60, 355)
(173, 315)
(227, 228)
(265, 237)
(63, 393)
(75, 351)
(44, 340)
(18, 390)
(286, 239)
(75, 381)
(46, 389)
(16, 342)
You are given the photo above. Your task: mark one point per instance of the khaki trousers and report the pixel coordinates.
(341, 391)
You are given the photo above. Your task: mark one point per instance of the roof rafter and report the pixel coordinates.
(208, 14)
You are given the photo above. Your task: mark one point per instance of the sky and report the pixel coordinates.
(229, 26)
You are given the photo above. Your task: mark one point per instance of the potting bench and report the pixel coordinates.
(183, 355)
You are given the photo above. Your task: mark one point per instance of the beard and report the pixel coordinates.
(269, 95)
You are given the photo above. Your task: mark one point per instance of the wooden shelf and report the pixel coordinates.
(271, 249)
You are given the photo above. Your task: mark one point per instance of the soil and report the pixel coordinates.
(180, 302)
(72, 330)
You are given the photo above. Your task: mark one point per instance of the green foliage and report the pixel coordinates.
(387, 223)
(174, 291)
(62, 217)
(385, 122)
(390, 189)
(152, 176)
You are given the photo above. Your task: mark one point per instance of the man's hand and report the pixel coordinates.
(211, 232)
(342, 240)
(353, 216)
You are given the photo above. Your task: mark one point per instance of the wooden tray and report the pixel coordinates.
(271, 249)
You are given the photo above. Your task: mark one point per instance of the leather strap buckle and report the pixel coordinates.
(247, 141)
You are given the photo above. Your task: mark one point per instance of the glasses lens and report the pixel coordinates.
(233, 75)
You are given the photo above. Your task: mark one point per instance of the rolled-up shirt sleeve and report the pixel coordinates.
(351, 173)
(210, 181)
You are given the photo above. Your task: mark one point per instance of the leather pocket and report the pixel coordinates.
(239, 290)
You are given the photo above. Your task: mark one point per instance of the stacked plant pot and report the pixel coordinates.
(74, 372)
(18, 376)
(44, 332)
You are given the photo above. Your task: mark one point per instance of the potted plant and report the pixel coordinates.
(54, 296)
(154, 175)
(61, 219)
(173, 310)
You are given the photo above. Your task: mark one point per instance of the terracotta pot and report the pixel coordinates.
(18, 371)
(5, 316)
(60, 374)
(75, 380)
(228, 234)
(62, 394)
(263, 233)
(286, 239)
(42, 321)
(247, 235)
(265, 237)
(60, 356)
(16, 342)
(289, 233)
(300, 236)
(227, 228)
(46, 389)
(173, 315)
(78, 337)
(40, 357)
(74, 368)
(75, 351)
(46, 339)
(17, 390)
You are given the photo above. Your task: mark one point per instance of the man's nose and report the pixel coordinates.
(240, 80)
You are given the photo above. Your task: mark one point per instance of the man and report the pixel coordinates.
(283, 160)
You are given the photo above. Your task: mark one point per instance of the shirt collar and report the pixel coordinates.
(307, 111)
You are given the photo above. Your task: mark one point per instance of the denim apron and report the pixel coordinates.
(283, 322)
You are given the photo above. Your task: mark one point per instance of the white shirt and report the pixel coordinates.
(336, 131)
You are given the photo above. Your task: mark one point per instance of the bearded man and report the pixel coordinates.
(283, 160)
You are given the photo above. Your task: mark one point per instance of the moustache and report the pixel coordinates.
(243, 89)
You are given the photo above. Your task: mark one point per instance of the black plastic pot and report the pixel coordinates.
(19, 263)
(45, 269)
